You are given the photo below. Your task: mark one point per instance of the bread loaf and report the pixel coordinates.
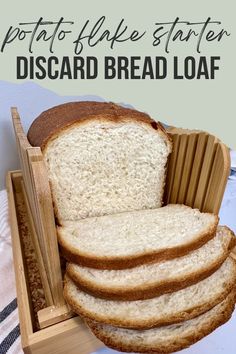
(101, 158)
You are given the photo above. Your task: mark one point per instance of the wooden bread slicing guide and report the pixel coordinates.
(198, 170)
(197, 174)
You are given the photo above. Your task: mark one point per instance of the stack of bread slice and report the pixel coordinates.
(146, 278)
(168, 277)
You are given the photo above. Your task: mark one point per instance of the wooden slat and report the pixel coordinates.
(178, 169)
(52, 315)
(35, 241)
(203, 182)
(23, 149)
(23, 302)
(218, 179)
(188, 163)
(196, 169)
(40, 203)
(48, 231)
(171, 168)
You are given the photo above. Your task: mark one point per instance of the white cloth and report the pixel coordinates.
(9, 321)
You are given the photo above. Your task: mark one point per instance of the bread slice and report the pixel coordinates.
(101, 158)
(128, 239)
(165, 339)
(149, 280)
(165, 309)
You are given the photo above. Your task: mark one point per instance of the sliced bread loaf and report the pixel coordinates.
(165, 339)
(101, 158)
(149, 280)
(128, 239)
(165, 309)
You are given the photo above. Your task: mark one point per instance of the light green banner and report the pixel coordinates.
(203, 99)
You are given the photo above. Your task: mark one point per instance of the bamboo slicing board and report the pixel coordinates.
(197, 174)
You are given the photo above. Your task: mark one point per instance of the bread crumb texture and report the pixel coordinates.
(100, 167)
(137, 232)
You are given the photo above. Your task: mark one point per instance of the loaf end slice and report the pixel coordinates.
(165, 339)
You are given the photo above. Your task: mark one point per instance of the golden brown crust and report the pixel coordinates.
(152, 322)
(55, 120)
(74, 255)
(148, 291)
(173, 344)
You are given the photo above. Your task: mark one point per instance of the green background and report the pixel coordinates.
(198, 104)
